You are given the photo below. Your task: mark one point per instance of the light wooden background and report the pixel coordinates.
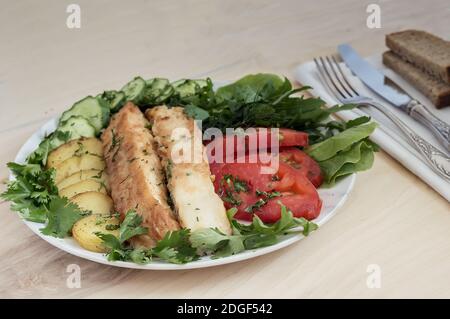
(391, 219)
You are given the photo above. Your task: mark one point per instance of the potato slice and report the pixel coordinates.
(93, 174)
(84, 231)
(96, 202)
(76, 147)
(88, 185)
(78, 163)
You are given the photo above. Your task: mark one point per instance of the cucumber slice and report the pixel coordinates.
(157, 90)
(159, 83)
(76, 126)
(134, 90)
(106, 112)
(201, 83)
(185, 88)
(178, 83)
(115, 99)
(165, 94)
(94, 110)
(71, 129)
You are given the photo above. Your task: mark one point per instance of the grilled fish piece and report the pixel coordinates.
(187, 170)
(136, 175)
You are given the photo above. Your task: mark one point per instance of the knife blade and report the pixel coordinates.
(394, 94)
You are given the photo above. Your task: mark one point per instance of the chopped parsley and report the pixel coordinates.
(63, 135)
(238, 184)
(230, 187)
(80, 149)
(228, 196)
(124, 179)
(169, 169)
(266, 196)
(132, 159)
(99, 175)
(112, 227)
(115, 144)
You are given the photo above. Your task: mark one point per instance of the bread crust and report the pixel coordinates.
(426, 51)
(437, 91)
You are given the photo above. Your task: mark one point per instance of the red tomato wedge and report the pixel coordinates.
(234, 146)
(302, 164)
(290, 137)
(243, 186)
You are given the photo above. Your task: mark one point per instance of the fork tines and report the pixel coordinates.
(335, 80)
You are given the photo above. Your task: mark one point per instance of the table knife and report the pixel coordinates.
(394, 94)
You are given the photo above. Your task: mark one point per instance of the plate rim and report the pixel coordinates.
(204, 262)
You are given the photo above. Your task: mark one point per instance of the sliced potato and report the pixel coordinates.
(88, 185)
(84, 231)
(93, 174)
(96, 202)
(78, 163)
(76, 147)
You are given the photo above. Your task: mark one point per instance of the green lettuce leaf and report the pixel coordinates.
(358, 157)
(253, 88)
(365, 162)
(196, 112)
(339, 142)
(347, 152)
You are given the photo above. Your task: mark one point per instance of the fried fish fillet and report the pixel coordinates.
(136, 175)
(187, 170)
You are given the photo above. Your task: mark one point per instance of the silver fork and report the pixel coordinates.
(338, 84)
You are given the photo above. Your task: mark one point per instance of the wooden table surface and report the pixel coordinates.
(391, 218)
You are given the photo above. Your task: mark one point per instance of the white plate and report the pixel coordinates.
(332, 199)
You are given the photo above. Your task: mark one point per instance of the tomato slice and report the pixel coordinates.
(250, 173)
(289, 137)
(302, 164)
(263, 193)
(234, 145)
(303, 200)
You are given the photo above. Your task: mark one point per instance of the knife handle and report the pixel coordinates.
(439, 128)
(439, 161)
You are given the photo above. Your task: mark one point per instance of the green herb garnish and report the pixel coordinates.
(184, 246)
(266, 196)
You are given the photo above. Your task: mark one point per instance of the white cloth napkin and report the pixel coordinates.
(388, 136)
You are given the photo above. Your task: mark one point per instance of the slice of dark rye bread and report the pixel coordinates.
(426, 51)
(438, 92)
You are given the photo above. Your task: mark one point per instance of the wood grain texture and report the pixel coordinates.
(391, 218)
